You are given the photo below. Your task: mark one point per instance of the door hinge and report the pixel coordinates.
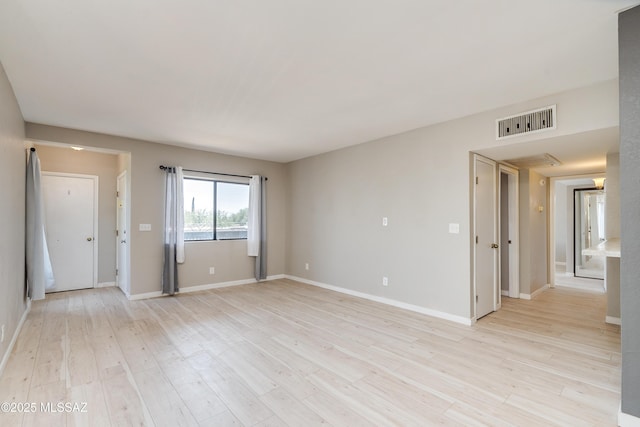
(476, 240)
(476, 179)
(117, 194)
(117, 233)
(476, 298)
(116, 271)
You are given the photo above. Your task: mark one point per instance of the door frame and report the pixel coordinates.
(551, 262)
(496, 289)
(127, 256)
(575, 237)
(514, 230)
(95, 180)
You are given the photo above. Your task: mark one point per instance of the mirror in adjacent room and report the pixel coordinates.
(589, 207)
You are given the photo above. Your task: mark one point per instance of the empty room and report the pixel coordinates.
(280, 213)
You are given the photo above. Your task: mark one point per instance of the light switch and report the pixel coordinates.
(454, 228)
(145, 227)
(385, 221)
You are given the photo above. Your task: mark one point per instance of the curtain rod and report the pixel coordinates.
(163, 167)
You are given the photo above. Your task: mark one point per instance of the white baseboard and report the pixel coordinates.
(626, 420)
(197, 288)
(146, 295)
(613, 320)
(504, 293)
(535, 293)
(7, 354)
(388, 301)
(105, 284)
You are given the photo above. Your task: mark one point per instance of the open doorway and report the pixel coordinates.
(105, 165)
(508, 220)
(577, 226)
(496, 238)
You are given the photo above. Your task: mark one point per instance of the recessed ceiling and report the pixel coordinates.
(281, 80)
(537, 161)
(581, 153)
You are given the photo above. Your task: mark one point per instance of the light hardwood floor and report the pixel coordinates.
(287, 354)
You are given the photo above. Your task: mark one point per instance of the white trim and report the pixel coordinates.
(105, 284)
(504, 293)
(626, 420)
(561, 263)
(388, 301)
(7, 354)
(535, 293)
(197, 288)
(613, 320)
(126, 227)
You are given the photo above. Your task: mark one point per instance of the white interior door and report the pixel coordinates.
(486, 237)
(70, 207)
(122, 237)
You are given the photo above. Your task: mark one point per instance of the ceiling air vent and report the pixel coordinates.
(525, 123)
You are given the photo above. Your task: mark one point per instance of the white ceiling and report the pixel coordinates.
(286, 79)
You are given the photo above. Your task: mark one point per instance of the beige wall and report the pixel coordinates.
(327, 210)
(147, 194)
(533, 232)
(420, 181)
(105, 166)
(12, 214)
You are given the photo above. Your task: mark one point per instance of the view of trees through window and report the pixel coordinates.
(230, 202)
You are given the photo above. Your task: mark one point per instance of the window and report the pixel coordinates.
(229, 201)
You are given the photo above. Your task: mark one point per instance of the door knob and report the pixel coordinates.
(123, 241)
(494, 245)
(89, 239)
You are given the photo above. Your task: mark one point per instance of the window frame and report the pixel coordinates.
(215, 205)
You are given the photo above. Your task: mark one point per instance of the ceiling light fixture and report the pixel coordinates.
(599, 183)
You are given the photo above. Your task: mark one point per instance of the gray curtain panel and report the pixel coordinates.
(261, 259)
(38, 264)
(173, 227)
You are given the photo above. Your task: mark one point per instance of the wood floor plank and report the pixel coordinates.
(202, 401)
(94, 413)
(291, 410)
(50, 393)
(124, 402)
(232, 390)
(281, 353)
(161, 398)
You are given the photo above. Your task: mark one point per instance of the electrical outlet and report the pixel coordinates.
(306, 266)
(2, 334)
(385, 221)
(212, 270)
(385, 281)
